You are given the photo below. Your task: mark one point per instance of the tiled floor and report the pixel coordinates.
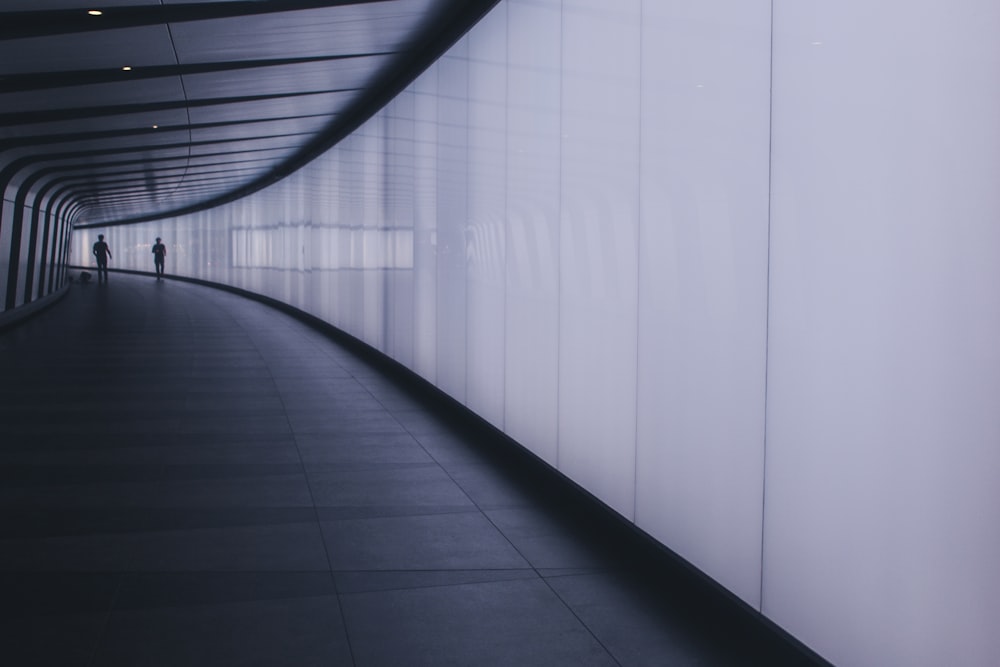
(191, 478)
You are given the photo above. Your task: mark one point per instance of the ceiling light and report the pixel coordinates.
(126, 68)
(156, 127)
(95, 12)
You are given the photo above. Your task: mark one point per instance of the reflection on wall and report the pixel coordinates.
(736, 271)
(295, 247)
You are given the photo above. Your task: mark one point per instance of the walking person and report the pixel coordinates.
(159, 254)
(102, 252)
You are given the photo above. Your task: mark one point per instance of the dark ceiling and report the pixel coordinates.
(158, 107)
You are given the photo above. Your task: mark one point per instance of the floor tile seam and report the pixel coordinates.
(580, 620)
(398, 589)
(138, 533)
(118, 484)
(202, 604)
(141, 529)
(346, 469)
(588, 573)
(454, 509)
(220, 572)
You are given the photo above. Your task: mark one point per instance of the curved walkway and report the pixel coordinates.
(188, 477)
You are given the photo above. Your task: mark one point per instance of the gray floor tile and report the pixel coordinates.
(390, 580)
(286, 548)
(411, 485)
(519, 622)
(297, 632)
(435, 542)
(76, 553)
(546, 542)
(362, 450)
(491, 487)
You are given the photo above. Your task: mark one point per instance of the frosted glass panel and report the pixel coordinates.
(882, 533)
(425, 225)
(400, 202)
(703, 283)
(532, 290)
(598, 251)
(487, 218)
(452, 217)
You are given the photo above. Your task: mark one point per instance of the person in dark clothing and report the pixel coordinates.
(102, 252)
(159, 254)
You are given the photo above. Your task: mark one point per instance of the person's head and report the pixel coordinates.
(100, 237)
(157, 239)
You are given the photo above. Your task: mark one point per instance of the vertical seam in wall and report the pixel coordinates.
(506, 206)
(465, 217)
(559, 245)
(767, 300)
(638, 282)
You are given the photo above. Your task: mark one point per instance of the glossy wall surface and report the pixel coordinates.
(733, 266)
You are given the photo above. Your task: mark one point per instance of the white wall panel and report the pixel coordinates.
(425, 163)
(452, 218)
(703, 283)
(373, 238)
(598, 251)
(532, 246)
(487, 218)
(882, 534)
(400, 215)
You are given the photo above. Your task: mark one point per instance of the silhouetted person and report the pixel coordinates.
(102, 252)
(159, 254)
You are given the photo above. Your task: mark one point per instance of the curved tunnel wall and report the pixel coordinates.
(34, 245)
(734, 268)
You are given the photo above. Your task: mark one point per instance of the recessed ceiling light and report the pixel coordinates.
(95, 12)
(126, 69)
(156, 126)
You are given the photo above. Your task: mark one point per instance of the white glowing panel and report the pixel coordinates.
(487, 217)
(532, 244)
(374, 243)
(400, 202)
(598, 248)
(425, 146)
(452, 218)
(882, 515)
(703, 284)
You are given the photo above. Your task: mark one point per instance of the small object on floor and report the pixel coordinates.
(85, 277)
